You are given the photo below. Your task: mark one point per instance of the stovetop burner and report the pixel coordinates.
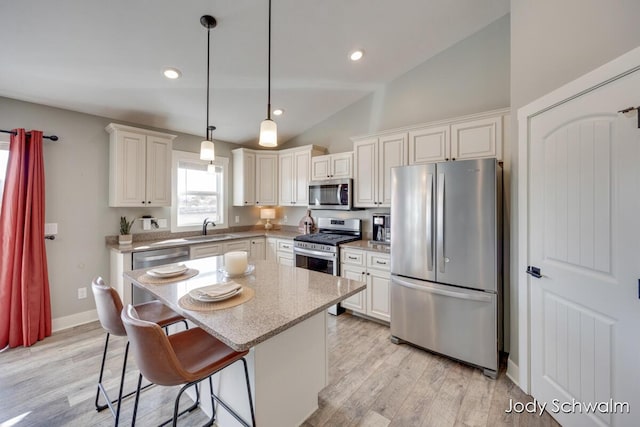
(332, 233)
(326, 238)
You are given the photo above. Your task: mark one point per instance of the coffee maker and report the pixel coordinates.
(381, 228)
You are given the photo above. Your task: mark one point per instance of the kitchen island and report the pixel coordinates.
(284, 325)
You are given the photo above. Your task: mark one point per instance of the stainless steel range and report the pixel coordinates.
(321, 251)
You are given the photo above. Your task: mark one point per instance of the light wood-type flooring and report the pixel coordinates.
(372, 382)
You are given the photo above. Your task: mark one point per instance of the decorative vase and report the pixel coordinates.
(125, 239)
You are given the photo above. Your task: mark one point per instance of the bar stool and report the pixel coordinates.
(109, 306)
(184, 358)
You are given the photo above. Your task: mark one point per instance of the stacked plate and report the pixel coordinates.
(169, 270)
(217, 292)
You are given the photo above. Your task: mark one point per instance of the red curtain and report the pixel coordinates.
(25, 307)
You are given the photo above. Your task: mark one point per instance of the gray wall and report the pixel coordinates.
(552, 43)
(77, 193)
(470, 77)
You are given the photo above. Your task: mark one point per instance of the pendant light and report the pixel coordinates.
(207, 149)
(268, 128)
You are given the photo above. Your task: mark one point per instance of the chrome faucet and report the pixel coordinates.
(204, 225)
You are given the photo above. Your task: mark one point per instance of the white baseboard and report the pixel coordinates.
(74, 320)
(513, 372)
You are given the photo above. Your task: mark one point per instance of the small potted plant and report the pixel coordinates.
(125, 237)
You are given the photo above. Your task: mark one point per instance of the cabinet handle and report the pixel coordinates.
(446, 159)
(148, 202)
(257, 203)
(143, 202)
(453, 158)
(352, 257)
(381, 263)
(368, 274)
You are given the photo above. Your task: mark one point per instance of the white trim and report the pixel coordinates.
(178, 155)
(610, 71)
(513, 372)
(111, 127)
(450, 121)
(77, 319)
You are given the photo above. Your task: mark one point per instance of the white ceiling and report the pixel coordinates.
(106, 57)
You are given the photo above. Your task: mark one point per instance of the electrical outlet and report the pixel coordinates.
(82, 293)
(285, 219)
(237, 219)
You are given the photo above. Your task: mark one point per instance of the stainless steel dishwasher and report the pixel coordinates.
(155, 258)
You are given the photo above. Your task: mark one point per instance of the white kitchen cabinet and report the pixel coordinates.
(429, 145)
(357, 302)
(205, 249)
(237, 245)
(476, 139)
(139, 167)
(280, 251)
(266, 178)
(255, 177)
(257, 248)
(471, 137)
(332, 166)
(379, 286)
(374, 269)
(294, 169)
(373, 159)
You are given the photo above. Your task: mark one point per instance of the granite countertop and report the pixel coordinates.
(284, 296)
(368, 245)
(168, 241)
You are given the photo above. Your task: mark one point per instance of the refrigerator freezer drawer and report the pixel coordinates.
(456, 322)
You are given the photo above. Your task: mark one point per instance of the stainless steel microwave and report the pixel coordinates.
(331, 194)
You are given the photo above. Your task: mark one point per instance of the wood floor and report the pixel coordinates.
(372, 383)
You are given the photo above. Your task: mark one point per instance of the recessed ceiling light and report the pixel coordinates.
(172, 73)
(278, 112)
(356, 55)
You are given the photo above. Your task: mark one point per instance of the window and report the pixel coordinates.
(4, 161)
(196, 193)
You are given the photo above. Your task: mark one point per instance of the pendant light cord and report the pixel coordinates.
(208, 77)
(269, 69)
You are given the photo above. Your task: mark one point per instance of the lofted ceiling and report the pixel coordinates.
(106, 57)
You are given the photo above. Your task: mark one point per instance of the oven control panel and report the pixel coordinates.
(315, 246)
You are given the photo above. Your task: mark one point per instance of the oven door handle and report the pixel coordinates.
(314, 254)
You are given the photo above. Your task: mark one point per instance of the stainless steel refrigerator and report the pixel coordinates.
(446, 259)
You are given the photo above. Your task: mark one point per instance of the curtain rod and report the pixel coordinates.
(52, 137)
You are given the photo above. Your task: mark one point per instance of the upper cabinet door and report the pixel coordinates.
(302, 164)
(130, 170)
(266, 178)
(158, 180)
(366, 173)
(393, 152)
(244, 177)
(320, 168)
(286, 171)
(342, 165)
(476, 139)
(429, 145)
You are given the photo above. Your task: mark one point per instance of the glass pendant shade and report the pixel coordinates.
(207, 151)
(268, 133)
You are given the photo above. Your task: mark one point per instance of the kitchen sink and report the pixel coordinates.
(208, 238)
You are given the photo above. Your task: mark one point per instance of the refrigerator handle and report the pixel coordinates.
(430, 222)
(440, 222)
(454, 293)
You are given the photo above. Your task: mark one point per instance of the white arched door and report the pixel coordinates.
(584, 236)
